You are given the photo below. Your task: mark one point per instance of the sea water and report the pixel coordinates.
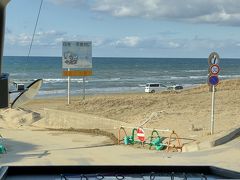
(115, 75)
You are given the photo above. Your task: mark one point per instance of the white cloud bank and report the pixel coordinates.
(54, 38)
(145, 43)
(46, 38)
(128, 41)
(196, 11)
(72, 3)
(221, 12)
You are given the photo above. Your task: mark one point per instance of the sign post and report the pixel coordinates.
(77, 55)
(68, 88)
(83, 87)
(212, 112)
(213, 81)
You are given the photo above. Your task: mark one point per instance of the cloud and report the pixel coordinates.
(129, 41)
(219, 12)
(50, 33)
(99, 41)
(52, 39)
(145, 43)
(22, 39)
(41, 38)
(71, 3)
(173, 44)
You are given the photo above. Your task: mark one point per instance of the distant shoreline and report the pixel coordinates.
(61, 96)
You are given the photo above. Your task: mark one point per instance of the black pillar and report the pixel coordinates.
(4, 95)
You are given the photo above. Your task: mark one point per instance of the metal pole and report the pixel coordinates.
(83, 87)
(213, 106)
(68, 88)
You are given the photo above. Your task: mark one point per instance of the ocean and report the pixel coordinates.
(115, 75)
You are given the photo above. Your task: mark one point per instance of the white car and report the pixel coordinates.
(154, 87)
(175, 87)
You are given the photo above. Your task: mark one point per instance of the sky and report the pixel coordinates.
(126, 28)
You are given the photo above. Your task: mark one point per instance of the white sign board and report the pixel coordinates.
(77, 54)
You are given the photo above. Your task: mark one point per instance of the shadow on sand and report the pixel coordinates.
(16, 151)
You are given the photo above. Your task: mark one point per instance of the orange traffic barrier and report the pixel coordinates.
(174, 146)
(119, 134)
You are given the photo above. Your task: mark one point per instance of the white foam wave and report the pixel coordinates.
(229, 76)
(101, 80)
(52, 92)
(62, 92)
(24, 81)
(197, 77)
(59, 80)
(188, 77)
(113, 89)
(197, 70)
(177, 78)
(18, 74)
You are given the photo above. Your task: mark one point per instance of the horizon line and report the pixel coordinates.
(129, 57)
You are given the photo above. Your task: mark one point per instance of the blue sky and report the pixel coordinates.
(126, 28)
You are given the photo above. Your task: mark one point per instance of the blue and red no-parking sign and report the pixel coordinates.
(213, 80)
(214, 69)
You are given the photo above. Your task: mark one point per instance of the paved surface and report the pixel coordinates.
(37, 147)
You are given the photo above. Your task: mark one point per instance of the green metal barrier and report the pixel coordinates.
(2, 147)
(128, 140)
(157, 142)
(131, 139)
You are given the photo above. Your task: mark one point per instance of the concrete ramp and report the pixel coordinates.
(214, 140)
(59, 119)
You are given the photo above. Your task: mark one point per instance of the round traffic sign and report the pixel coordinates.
(213, 58)
(140, 134)
(214, 69)
(213, 80)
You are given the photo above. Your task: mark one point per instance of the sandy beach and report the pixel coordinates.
(187, 112)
